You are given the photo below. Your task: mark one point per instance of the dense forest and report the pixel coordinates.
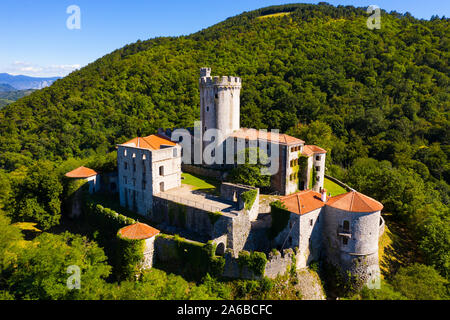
(377, 100)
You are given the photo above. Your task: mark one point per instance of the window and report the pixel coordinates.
(144, 184)
(318, 158)
(344, 241)
(134, 166)
(311, 222)
(346, 225)
(318, 178)
(317, 168)
(175, 152)
(207, 109)
(125, 152)
(125, 165)
(161, 170)
(217, 96)
(143, 166)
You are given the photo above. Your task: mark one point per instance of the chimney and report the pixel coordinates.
(324, 195)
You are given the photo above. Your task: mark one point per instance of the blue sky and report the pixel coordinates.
(35, 40)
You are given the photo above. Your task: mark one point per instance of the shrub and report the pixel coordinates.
(249, 198)
(254, 261)
(280, 217)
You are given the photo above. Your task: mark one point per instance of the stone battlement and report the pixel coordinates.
(220, 81)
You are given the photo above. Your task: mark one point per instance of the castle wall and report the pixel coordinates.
(169, 159)
(310, 244)
(360, 255)
(189, 218)
(232, 192)
(289, 237)
(279, 263)
(139, 175)
(134, 167)
(304, 234)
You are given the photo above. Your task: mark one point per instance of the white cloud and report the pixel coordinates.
(34, 70)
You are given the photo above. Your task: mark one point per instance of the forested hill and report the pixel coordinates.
(377, 100)
(376, 89)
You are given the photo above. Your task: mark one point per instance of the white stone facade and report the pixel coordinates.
(143, 172)
(345, 239)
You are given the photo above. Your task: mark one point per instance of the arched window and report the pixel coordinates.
(346, 225)
(220, 249)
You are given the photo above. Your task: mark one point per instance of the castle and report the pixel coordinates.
(343, 230)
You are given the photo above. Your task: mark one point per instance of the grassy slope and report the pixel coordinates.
(196, 182)
(333, 188)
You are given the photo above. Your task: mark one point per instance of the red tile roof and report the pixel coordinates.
(309, 150)
(354, 201)
(81, 172)
(152, 142)
(254, 134)
(138, 231)
(303, 202)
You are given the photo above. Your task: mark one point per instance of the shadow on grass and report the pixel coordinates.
(399, 247)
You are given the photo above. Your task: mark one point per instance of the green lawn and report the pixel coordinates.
(199, 182)
(333, 188)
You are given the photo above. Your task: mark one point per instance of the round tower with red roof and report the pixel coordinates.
(351, 231)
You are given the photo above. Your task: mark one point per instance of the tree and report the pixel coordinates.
(40, 271)
(37, 196)
(9, 246)
(421, 282)
(250, 174)
(435, 244)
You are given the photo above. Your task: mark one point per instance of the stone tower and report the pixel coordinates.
(352, 227)
(219, 103)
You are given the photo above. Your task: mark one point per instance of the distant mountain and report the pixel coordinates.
(7, 97)
(4, 87)
(20, 82)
